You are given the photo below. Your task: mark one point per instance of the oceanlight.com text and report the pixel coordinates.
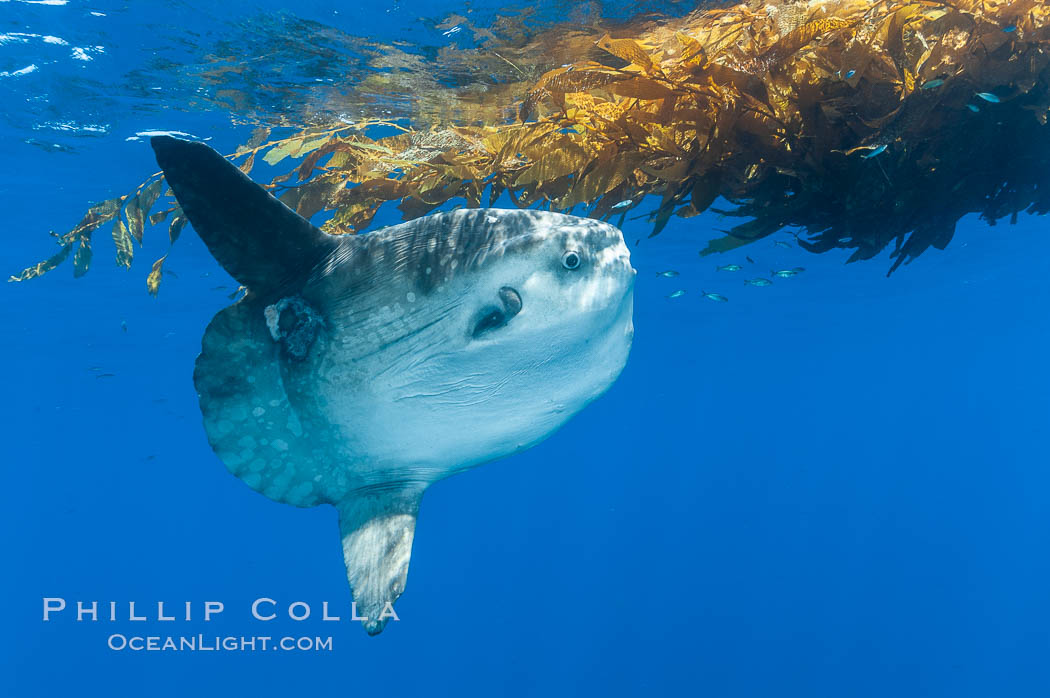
(216, 643)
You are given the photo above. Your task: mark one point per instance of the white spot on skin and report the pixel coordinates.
(411, 297)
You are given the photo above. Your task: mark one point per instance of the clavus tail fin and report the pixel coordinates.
(377, 526)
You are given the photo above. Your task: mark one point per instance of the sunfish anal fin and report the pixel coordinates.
(377, 526)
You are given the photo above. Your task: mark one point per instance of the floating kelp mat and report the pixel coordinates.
(865, 125)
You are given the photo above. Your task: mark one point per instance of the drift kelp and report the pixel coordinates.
(863, 124)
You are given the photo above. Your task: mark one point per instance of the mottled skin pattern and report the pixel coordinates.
(381, 363)
(379, 344)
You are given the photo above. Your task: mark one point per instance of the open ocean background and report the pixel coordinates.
(833, 486)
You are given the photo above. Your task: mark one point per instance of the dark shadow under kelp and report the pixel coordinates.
(866, 125)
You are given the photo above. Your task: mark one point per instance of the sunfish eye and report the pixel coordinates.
(571, 260)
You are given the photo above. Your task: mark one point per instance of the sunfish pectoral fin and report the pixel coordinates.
(262, 243)
(377, 526)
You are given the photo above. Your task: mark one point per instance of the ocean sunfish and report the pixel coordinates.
(357, 370)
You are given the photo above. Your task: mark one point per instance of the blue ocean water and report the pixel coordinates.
(831, 486)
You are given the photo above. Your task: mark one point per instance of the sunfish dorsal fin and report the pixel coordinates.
(377, 525)
(262, 243)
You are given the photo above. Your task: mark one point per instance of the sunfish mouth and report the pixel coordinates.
(495, 317)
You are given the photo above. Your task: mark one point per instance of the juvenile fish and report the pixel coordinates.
(716, 297)
(669, 274)
(877, 151)
(729, 267)
(932, 84)
(758, 282)
(677, 294)
(623, 204)
(988, 97)
(784, 273)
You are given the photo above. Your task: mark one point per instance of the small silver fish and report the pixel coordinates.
(877, 151)
(677, 293)
(758, 282)
(849, 74)
(798, 270)
(932, 84)
(987, 97)
(780, 243)
(784, 273)
(1011, 28)
(623, 204)
(669, 274)
(973, 107)
(729, 267)
(716, 297)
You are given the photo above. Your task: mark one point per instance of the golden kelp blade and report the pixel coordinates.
(123, 242)
(155, 275)
(864, 124)
(80, 235)
(45, 266)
